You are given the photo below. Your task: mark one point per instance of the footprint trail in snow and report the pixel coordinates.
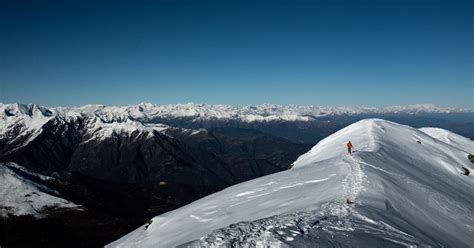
(332, 219)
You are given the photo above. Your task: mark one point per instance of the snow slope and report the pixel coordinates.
(21, 195)
(451, 138)
(404, 193)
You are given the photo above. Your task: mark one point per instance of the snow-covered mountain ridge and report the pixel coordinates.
(406, 186)
(20, 124)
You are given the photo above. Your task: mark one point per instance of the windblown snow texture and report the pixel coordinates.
(450, 138)
(405, 192)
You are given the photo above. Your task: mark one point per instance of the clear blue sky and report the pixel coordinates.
(337, 52)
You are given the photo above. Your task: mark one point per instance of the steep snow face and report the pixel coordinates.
(451, 138)
(405, 193)
(20, 195)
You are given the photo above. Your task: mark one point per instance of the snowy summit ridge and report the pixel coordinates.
(406, 187)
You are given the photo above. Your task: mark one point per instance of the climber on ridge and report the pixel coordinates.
(349, 147)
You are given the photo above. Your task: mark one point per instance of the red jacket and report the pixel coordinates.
(349, 145)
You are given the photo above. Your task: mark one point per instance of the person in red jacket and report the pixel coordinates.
(349, 147)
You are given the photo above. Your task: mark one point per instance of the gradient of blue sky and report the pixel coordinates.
(337, 52)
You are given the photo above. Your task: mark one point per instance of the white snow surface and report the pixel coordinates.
(451, 138)
(404, 193)
(19, 195)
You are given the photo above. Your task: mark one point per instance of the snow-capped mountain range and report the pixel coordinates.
(24, 122)
(405, 184)
(120, 146)
(265, 112)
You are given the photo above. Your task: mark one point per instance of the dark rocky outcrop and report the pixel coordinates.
(471, 158)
